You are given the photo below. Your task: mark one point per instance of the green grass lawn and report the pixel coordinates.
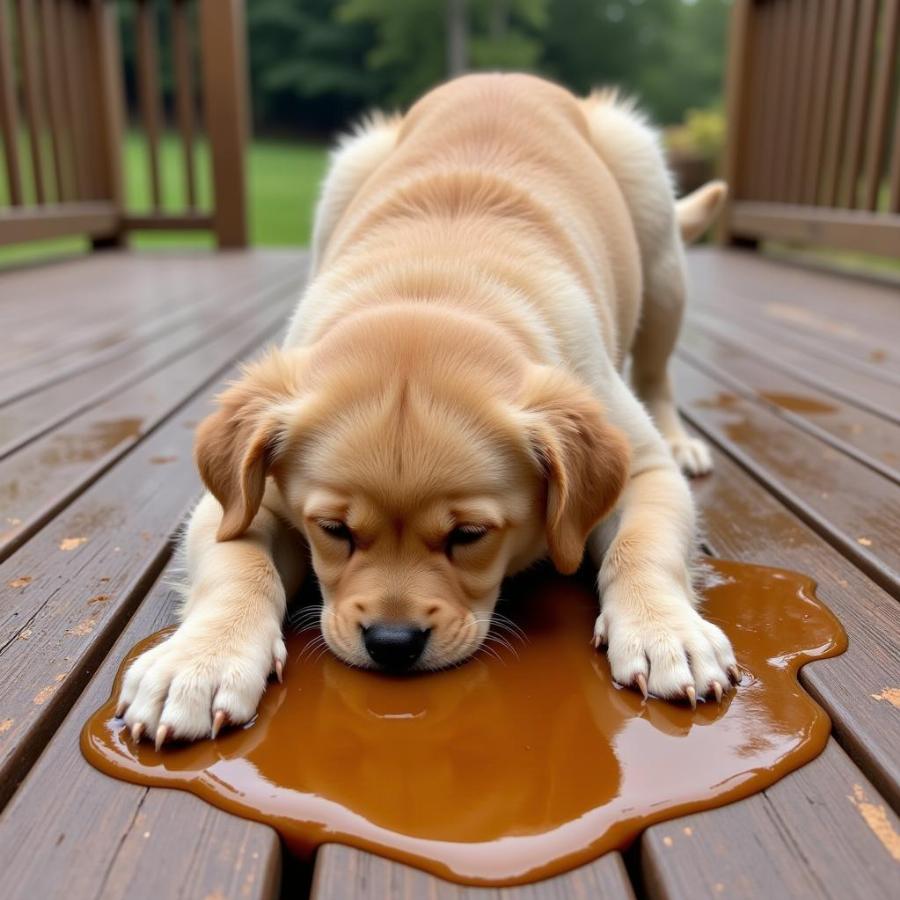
(283, 182)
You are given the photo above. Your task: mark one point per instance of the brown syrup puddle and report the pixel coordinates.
(506, 770)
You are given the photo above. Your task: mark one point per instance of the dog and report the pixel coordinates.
(450, 406)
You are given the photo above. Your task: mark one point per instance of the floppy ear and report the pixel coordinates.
(584, 458)
(236, 446)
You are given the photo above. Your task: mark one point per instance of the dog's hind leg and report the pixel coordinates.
(663, 308)
(355, 158)
(631, 149)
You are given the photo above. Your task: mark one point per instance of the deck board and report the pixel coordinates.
(854, 508)
(71, 831)
(343, 872)
(840, 310)
(821, 832)
(49, 404)
(868, 438)
(116, 336)
(53, 469)
(743, 521)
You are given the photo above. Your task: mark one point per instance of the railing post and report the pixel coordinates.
(736, 108)
(224, 66)
(111, 104)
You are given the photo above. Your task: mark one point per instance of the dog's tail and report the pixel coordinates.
(697, 211)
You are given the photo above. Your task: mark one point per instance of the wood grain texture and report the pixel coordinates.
(160, 305)
(24, 420)
(344, 872)
(71, 831)
(845, 229)
(837, 106)
(746, 367)
(821, 832)
(75, 583)
(224, 89)
(854, 508)
(9, 109)
(147, 56)
(33, 94)
(742, 520)
(41, 478)
(844, 346)
(85, 298)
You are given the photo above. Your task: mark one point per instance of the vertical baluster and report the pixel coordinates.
(65, 31)
(9, 113)
(837, 116)
(881, 104)
(780, 99)
(50, 58)
(184, 94)
(859, 102)
(809, 49)
(85, 61)
(31, 84)
(754, 75)
(822, 87)
(148, 92)
(223, 54)
(894, 195)
(789, 109)
(775, 31)
(107, 56)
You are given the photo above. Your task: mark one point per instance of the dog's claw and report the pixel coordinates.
(279, 671)
(136, 731)
(218, 722)
(641, 681)
(691, 695)
(120, 709)
(735, 674)
(717, 690)
(162, 734)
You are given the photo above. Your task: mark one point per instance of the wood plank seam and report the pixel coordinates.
(55, 767)
(267, 295)
(33, 525)
(792, 339)
(810, 428)
(160, 326)
(851, 550)
(194, 300)
(829, 387)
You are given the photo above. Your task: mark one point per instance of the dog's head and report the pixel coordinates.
(422, 461)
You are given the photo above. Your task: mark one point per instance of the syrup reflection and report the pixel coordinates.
(514, 767)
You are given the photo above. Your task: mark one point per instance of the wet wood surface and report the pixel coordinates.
(790, 374)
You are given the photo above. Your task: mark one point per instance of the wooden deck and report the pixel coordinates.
(794, 378)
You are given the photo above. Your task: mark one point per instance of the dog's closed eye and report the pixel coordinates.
(337, 530)
(464, 536)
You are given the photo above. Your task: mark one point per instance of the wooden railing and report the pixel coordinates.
(813, 152)
(62, 117)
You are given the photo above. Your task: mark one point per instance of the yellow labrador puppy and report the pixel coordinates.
(449, 407)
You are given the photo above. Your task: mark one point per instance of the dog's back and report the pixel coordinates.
(489, 180)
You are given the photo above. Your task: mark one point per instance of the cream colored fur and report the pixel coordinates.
(484, 267)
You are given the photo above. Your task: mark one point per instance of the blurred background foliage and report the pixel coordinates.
(316, 63)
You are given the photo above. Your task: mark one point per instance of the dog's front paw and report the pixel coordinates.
(692, 455)
(670, 653)
(195, 682)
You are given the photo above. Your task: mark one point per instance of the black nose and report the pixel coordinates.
(395, 648)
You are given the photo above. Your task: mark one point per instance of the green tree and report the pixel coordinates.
(307, 68)
(689, 74)
(410, 51)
